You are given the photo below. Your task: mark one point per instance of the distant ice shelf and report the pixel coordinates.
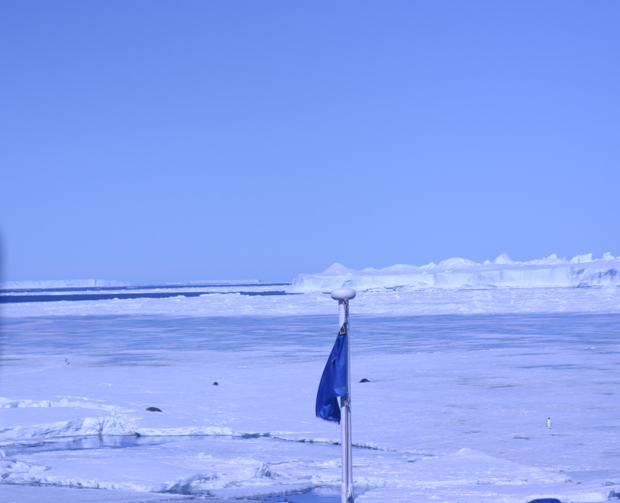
(552, 271)
(105, 283)
(221, 282)
(60, 283)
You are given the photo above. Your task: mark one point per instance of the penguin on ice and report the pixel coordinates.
(549, 422)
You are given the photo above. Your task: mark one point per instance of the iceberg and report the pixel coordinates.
(581, 271)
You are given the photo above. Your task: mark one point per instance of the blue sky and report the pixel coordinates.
(175, 141)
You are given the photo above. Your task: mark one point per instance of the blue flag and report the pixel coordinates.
(334, 380)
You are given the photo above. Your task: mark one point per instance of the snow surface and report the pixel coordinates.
(459, 273)
(462, 382)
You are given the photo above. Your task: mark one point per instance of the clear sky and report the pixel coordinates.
(152, 141)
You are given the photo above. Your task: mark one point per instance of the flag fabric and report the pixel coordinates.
(334, 380)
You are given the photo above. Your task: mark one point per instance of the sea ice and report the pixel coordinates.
(455, 409)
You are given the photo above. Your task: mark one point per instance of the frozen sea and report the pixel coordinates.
(462, 383)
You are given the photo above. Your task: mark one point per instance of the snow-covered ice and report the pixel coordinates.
(462, 382)
(456, 407)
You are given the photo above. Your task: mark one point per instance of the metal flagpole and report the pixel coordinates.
(343, 295)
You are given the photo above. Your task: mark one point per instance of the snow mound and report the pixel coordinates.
(61, 283)
(581, 271)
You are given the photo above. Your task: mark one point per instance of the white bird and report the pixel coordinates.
(549, 422)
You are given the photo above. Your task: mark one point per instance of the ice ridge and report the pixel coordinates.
(580, 271)
(110, 425)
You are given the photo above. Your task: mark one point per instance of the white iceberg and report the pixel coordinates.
(462, 273)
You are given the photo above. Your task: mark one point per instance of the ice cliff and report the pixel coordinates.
(552, 271)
